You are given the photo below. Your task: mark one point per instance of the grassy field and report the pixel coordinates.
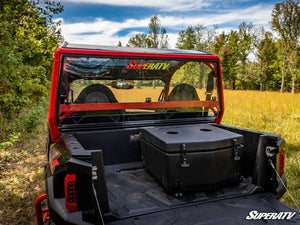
(21, 163)
(270, 112)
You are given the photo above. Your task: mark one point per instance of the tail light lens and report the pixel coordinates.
(281, 158)
(54, 154)
(71, 193)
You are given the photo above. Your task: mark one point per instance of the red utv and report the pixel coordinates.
(157, 153)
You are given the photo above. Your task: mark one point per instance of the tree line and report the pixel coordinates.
(251, 57)
(28, 39)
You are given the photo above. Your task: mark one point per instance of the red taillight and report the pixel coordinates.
(54, 154)
(281, 162)
(71, 193)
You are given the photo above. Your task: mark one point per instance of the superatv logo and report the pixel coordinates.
(255, 215)
(148, 66)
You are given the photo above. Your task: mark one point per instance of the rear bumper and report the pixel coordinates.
(55, 189)
(57, 208)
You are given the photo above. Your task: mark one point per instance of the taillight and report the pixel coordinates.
(281, 158)
(71, 193)
(54, 154)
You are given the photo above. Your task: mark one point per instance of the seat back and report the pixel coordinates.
(96, 93)
(183, 92)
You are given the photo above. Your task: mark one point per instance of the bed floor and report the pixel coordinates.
(133, 191)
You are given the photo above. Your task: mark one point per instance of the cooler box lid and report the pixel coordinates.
(196, 137)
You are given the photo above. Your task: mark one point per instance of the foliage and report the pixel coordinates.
(252, 58)
(195, 37)
(23, 123)
(286, 22)
(139, 40)
(267, 57)
(156, 38)
(186, 39)
(234, 49)
(28, 38)
(244, 44)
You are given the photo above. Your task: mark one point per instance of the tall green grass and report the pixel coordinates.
(271, 112)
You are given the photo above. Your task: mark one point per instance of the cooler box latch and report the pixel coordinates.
(184, 162)
(235, 151)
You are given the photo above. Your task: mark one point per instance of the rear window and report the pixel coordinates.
(98, 87)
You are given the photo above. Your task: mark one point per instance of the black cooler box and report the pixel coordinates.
(188, 157)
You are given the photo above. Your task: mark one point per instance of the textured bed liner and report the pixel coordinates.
(132, 191)
(231, 211)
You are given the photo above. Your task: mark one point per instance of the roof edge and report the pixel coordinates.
(67, 45)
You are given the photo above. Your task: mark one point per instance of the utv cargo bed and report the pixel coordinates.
(132, 191)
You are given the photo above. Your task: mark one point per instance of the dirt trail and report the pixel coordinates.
(21, 178)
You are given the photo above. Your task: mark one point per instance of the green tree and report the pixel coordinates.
(156, 38)
(187, 39)
(199, 38)
(139, 40)
(234, 49)
(28, 38)
(244, 42)
(227, 47)
(286, 22)
(196, 37)
(266, 56)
